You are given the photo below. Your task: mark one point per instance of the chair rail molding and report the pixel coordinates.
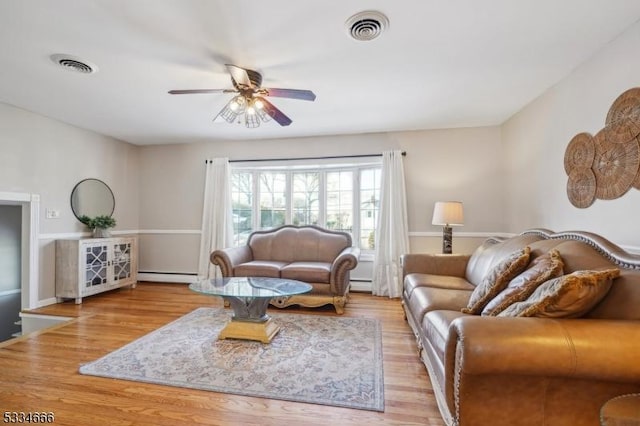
(438, 234)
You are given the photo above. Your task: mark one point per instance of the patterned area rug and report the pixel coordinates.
(313, 359)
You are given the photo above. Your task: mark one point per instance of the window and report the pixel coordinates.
(342, 198)
(273, 199)
(242, 202)
(306, 198)
(340, 201)
(369, 206)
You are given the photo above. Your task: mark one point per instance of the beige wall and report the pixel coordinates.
(42, 156)
(510, 177)
(535, 140)
(159, 189)
(456, 164)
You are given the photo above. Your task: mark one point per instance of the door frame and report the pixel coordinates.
(30, 204)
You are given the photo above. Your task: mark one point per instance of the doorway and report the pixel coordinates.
(19, 228)
(10, 270)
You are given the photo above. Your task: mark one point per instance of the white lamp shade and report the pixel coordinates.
(448, 213)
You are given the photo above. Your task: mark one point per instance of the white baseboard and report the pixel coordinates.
(46, 302)
(363, 286)
(167, 278)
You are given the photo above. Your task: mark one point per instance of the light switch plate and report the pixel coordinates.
(52, 214)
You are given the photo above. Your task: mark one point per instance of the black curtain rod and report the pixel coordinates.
(256, 160)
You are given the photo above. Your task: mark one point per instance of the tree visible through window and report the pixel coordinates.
(340, 201)
(242, 202)
(340, 198)
(273, 199)
(306, 198)
(369, 206)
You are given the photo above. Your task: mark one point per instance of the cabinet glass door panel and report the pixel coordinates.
(97, 265)
(121, 261)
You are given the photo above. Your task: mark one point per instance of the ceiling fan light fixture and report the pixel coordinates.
(228, 113)
(264, 116)
(251, 120)
(238, 104)
(249, 101)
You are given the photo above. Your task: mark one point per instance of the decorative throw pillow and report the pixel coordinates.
(496, 280)
(568, 296)
(542, 269)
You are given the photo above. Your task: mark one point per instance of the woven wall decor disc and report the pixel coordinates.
(623, 118)
(615, 166)
(636, 182)
(581, 187)
(579, 153)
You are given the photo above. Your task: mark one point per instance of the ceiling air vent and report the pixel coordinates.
(74, 63)
(365, 26)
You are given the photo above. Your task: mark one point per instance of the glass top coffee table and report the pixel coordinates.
(249, 298)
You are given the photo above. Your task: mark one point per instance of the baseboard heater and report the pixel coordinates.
(167, 277)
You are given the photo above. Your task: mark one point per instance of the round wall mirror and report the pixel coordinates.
(92, 197)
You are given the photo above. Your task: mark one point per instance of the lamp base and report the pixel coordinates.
(447, 239)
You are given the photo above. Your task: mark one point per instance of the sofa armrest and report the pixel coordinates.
(227, 259)
(604, 350)
(346, 261)
(436, 264)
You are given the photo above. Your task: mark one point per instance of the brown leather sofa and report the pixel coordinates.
(524, 371)
(318, 256)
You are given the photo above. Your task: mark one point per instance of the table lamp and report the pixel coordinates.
(447, 214)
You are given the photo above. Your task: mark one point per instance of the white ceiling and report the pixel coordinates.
(441, 64)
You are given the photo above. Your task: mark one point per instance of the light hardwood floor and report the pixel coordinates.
(40, 372)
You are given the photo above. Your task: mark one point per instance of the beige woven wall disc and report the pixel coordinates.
(579, 153)
(615, 166)
(581, 187)
(623, 119)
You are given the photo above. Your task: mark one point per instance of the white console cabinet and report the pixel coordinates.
(90, 266)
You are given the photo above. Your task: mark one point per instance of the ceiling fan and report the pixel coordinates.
(250, 100)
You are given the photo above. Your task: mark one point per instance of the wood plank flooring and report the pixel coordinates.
(40, 372)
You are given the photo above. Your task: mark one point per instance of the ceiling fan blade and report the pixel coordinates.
(305, 95)
(192, 91)
(275, 113)
(240, 75)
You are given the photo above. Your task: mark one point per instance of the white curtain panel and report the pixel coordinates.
(392, 232)
(217, 225)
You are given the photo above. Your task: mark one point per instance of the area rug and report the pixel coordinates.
(314, 359)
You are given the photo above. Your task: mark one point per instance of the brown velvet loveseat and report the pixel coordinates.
(494, 370)
(317, 256)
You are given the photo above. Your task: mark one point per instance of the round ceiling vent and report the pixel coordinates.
(365, 26)
(74, 63)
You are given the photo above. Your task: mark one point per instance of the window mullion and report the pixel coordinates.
(288, 198)
(322, 215)
(356, 207)
(256, 200)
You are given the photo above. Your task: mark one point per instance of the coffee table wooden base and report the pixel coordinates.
(248, 330)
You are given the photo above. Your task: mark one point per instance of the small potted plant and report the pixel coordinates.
(99, 225)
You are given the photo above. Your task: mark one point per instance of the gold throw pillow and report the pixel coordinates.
(497, 279)
(568, 296)
(542, 269)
